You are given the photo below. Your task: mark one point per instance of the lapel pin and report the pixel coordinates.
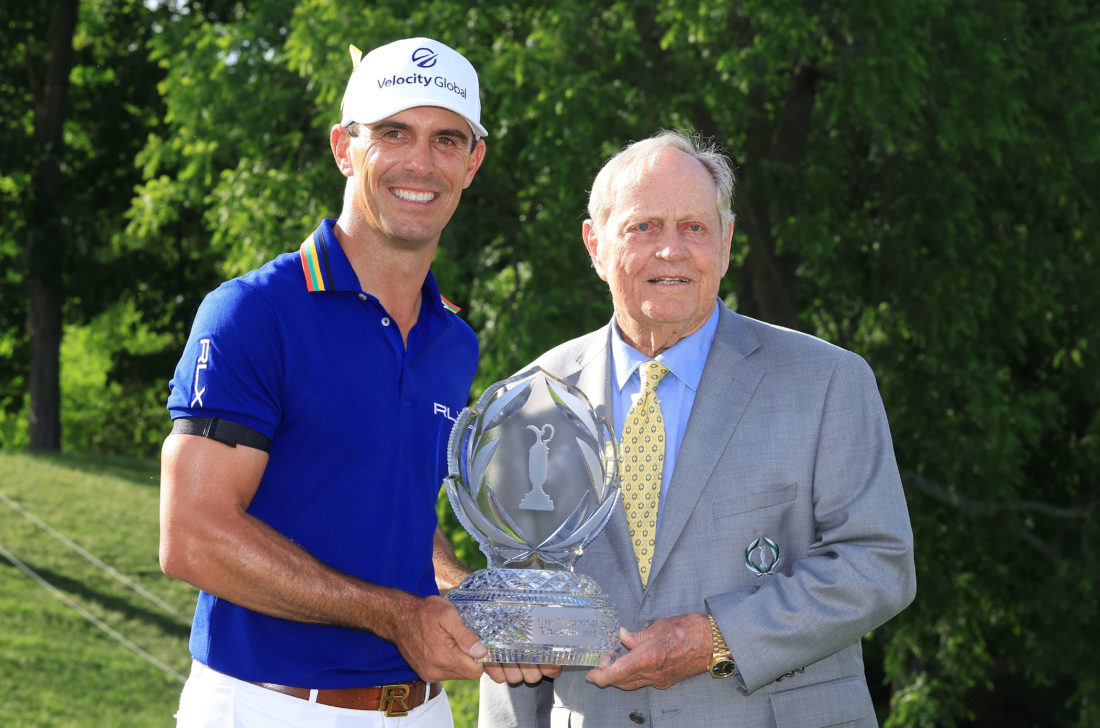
(761, 556)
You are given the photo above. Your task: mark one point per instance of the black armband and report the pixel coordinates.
(221, 430)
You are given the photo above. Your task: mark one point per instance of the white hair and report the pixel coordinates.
(643, 155)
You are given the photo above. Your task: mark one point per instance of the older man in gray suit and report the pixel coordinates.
(764, 527)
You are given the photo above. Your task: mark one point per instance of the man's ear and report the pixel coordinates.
(591, 241)
(728, 243)
(339, 138)
(477, 156)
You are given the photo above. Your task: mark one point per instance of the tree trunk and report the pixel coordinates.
(44, 331)
(46, 244)
(773, 157)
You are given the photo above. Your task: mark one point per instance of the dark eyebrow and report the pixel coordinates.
(457, 133)
(386, 125)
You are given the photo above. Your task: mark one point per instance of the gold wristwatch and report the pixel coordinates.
(721, 661)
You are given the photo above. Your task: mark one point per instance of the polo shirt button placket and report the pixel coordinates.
(637, 717)
(385, 320)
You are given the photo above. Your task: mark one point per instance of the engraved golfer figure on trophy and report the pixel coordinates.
(532, 509)
(537, 500)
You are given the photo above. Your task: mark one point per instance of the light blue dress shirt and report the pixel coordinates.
(676, 392)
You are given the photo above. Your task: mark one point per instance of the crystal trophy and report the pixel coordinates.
(532, 475)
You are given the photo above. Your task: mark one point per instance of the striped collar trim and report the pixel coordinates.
(313, 254)
(315, 265)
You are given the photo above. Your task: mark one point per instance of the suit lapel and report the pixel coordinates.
(594, 378)
(728, 383)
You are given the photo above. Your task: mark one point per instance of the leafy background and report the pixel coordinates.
(916, 182)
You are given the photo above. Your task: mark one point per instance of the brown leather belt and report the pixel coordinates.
(396, 700)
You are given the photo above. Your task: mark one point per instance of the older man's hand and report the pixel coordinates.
(514, 673)
(666, 652)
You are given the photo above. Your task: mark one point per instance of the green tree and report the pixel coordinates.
(81, 95)
(915, 184)
(48, 65)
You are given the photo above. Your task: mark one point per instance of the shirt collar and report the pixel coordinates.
(685, 359)
(324, 264)
(327, 268)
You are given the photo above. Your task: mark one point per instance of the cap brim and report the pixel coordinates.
(406, 104)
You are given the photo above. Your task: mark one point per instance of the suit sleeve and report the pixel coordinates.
(858, 571)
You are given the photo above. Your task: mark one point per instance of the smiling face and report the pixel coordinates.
(663, 250)
(406, 174)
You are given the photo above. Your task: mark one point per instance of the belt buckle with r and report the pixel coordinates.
(394, 700)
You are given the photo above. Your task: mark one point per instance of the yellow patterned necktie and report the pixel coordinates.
(641, 457)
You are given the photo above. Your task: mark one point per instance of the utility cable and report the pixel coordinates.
(89, 616)
(94, 559)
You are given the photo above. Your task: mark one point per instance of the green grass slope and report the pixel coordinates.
(92, 633)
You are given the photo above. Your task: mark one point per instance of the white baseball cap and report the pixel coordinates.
(407, 73)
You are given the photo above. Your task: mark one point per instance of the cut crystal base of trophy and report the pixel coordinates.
(542, 616)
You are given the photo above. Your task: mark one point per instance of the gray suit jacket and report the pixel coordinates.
(787, 440)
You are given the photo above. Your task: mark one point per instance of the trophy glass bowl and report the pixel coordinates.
(532, 475)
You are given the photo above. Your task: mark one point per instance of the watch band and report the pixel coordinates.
(721, 661)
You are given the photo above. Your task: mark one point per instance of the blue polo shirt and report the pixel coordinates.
(297, 351)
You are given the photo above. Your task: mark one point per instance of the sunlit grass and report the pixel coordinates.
(59, 669)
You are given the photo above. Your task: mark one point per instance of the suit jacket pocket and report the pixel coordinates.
(843, 702)
(755, 501)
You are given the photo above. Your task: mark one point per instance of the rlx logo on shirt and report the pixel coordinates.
(442, 409)
(204, 357)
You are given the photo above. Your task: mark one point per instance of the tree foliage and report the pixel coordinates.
(915, 183)
(65, 188)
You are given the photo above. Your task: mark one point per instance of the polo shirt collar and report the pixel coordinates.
(326, 268)
(324, 264)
